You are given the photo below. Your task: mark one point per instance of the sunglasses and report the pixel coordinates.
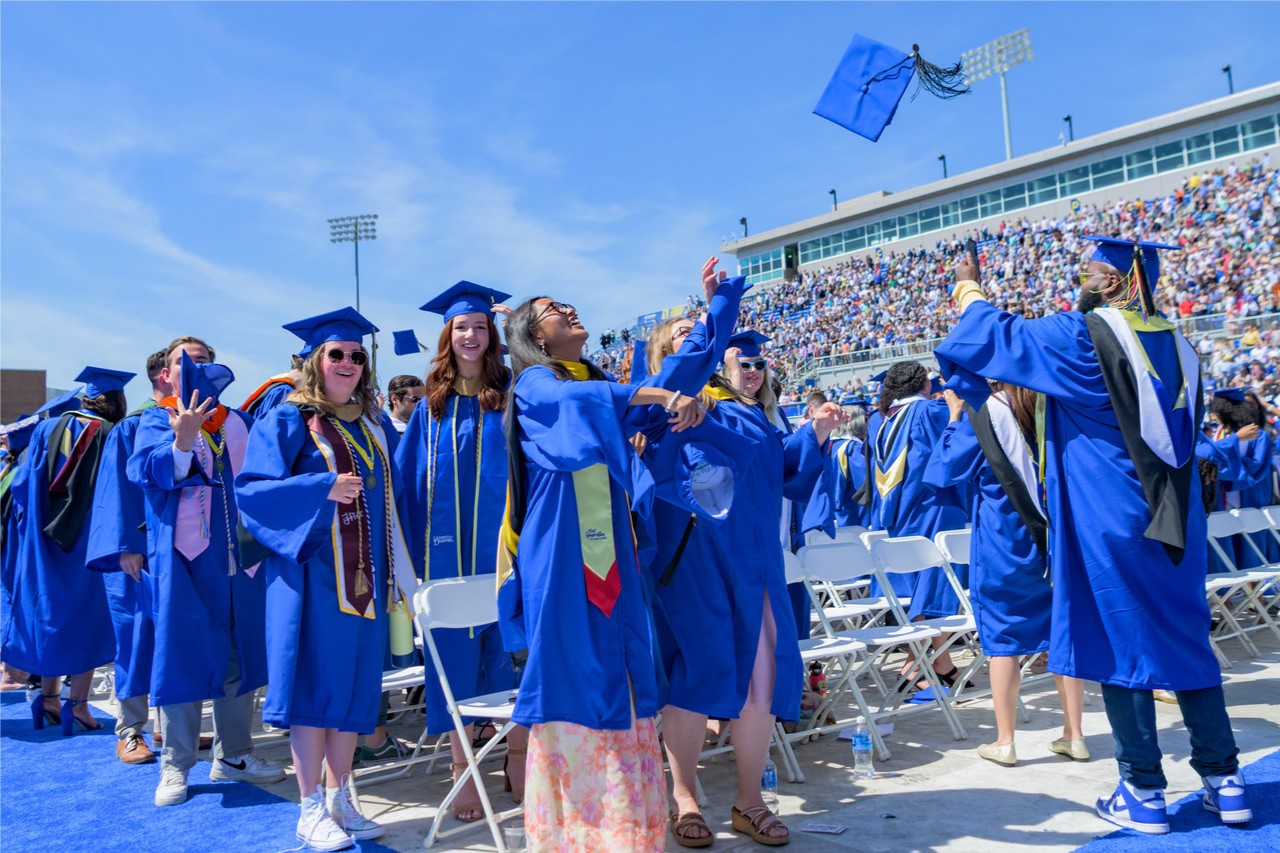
(358, 357)
(758, 364)
(559, 307)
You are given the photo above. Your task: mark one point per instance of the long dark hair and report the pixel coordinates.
(1023, 403)
(444, 370)
(521, 332)
(109, 406)
(903, 379)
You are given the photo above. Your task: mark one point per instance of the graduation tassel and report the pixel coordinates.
(1146, 300)
(942, 82)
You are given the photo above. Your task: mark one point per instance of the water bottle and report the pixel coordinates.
(862, 766)
(769, 785)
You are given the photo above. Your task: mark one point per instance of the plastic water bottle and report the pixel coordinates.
(862, 764)
(769, 785)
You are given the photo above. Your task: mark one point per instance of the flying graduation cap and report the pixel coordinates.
(406, 342)
(871, 79)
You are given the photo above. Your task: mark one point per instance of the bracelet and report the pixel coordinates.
(671, 404)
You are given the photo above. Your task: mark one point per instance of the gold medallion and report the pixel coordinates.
(370, 482)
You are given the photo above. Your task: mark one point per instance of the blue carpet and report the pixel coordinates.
(1194, 830)
(73, 794)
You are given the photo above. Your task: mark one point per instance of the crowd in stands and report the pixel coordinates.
(1228, 221)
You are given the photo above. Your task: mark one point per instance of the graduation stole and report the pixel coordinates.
(891, 446)
(349, 532)
(439, 531)
(192, 532)
(594, 500)
(1009, 457)
(71, 485)
(1152, 428)
(251, 402)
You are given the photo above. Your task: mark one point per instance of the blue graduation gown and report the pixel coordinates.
(1104, 570)
(461, 537)
(913, 508)
(847, 472)
(58, 622)
(196, 605)
(583, 667)
(325, 664)
(709, 616)
(1251, 483)
(269, 399)
(1009, 585)
(119, 516)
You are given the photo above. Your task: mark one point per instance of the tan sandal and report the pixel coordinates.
(472, 807)
(517, 794)
(757, 822)
(683, 824)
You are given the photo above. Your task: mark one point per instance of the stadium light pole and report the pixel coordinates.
(834, 202)
(997, 57)
(1231, 86)
(943, 158)
(1071, 130)
(354, 229)
(743, 223)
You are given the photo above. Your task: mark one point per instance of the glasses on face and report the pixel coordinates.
(758, 364)
(559, 307)
(358, 357)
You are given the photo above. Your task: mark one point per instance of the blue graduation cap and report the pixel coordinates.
(871, 79)
(209, 378)
(1124, 255)
(879, 377)
(465, 297)
(344, 324)
(100, 380)
(406, 342)
(748, 341)
(19, 432)
(1234, 394)
(64, 402)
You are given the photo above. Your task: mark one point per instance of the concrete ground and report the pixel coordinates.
(934, 794)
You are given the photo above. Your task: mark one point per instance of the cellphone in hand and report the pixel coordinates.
(971, 247)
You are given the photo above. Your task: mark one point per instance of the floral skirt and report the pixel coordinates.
(593, 790)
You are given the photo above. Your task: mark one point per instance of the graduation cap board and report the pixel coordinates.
(465, 297)
(209, 379)
(868, 84)
(99, 380)
(64, 402)
(406, 342)
(748, 342)
(1139, 259)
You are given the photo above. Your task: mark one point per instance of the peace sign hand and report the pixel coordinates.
(186, 421)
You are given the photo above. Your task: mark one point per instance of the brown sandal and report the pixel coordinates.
(681, 824)
(757, 822)
(471, 806)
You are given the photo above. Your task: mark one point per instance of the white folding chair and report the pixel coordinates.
(905, 555)
(469, 602)
(1266, 574)
(836, 590)
(1221, 587)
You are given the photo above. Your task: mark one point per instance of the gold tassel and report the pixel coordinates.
(362, 585)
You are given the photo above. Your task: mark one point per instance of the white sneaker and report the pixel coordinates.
(172, 789)
(246, 768)
(346, 813)
(316, 829)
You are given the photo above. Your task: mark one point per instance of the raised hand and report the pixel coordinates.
(711, 279)
(346, 488)
(1247, 433)
(966, 269)
(187, 419)
(504, 310)
(827, 418)
(954, 404)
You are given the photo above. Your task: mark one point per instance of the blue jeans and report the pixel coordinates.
(1132, 714)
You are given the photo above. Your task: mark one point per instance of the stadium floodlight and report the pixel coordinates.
(1231, 85)
(354, 229)
(997, 57)
(834, 202)
(943, 158)
(1071, 129)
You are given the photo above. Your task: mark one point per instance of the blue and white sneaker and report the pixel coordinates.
(1123, 808)
(1227, 799)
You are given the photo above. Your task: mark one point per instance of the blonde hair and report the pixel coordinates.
(660, 347)
(310, 390)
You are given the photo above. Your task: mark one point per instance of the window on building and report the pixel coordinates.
(1107, 173)
(989, 204)
(1042, 190)
(930, 219)
(1259, 133)
(1199, 149)
(1170, 156)
(969, 208)
(1075, 181)
(1139, 164)
(1226, 141)
(1014, 197)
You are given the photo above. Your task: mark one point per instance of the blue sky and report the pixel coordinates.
(167, 168)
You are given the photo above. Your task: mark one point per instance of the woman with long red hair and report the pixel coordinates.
(453, 459)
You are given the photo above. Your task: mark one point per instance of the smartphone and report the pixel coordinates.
(971, 247)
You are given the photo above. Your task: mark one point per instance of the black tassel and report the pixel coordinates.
(945, 83)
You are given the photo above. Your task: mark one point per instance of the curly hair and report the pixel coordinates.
(903, 379)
